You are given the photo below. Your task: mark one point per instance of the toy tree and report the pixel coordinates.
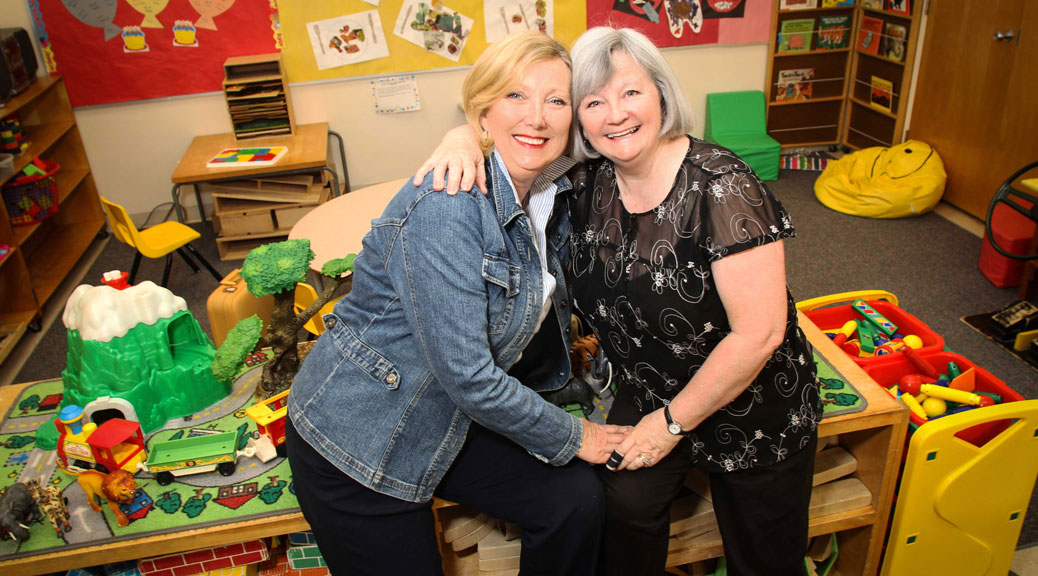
(275, 269)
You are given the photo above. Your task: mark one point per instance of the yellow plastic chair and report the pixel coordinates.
(305, 295)
(155, 241)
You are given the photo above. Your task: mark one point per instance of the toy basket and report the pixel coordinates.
(832, 311)
(32, 198)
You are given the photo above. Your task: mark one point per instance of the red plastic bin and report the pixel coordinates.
(888, 370)
(827, 316)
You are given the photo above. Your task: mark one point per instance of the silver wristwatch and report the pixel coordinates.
(672, 426)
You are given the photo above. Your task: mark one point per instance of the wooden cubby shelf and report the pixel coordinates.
(43, 253)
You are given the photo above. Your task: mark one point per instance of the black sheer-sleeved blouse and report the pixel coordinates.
(643, 283)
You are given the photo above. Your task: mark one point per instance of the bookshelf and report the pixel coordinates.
(43, 253)
(881, 72)
(809, 58)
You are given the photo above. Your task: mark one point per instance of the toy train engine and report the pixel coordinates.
(115, 444)
(269, 416)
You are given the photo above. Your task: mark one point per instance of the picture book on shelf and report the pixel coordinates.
(869, 34)
(797, 4)
(833, 32)
(247, 157)
(837, 3)
(873, 4)
(894, 38)
(881, 93)
(795, 35)
(900, 7)
(794, 85)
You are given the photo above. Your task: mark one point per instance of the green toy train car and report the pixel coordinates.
(194, 455)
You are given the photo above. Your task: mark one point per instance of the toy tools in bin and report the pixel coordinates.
(868, 325)
(972, 385)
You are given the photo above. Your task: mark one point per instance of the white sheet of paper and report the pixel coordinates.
(447, 35)
(505, 16)
(347, 39)
(395, 94)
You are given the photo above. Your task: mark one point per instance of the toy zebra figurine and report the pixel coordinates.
(54, 505)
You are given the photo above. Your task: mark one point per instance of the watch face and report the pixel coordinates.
(674, 428)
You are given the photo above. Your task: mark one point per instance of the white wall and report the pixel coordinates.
(134, 148)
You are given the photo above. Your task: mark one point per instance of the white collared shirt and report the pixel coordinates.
(540, 201)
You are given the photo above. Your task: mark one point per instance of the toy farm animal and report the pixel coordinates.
(54, 505)
(115, 488)
(17, 511)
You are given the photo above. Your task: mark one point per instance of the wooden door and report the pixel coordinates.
(975, 99)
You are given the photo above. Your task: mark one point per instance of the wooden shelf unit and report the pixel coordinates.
(875, 437)
(43, 253)
(257, 96)
(817, 120)
(868, 125)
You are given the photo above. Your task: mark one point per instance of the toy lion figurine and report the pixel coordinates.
(115, 488)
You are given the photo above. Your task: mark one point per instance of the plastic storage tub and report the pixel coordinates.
(888, 370)
(833, 311)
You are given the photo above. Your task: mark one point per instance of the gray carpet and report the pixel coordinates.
(927, 261)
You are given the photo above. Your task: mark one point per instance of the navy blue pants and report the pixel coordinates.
(362, 532)
(762, 512)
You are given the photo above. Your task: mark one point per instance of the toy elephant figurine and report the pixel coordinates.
(17, 511)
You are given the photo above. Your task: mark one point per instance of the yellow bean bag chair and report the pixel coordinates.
(903, 180)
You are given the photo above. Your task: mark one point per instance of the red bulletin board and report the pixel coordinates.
(723, 21)
(83, 41)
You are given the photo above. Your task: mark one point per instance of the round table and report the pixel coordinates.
(337, 227)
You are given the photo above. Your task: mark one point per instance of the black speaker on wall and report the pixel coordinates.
(17, 62)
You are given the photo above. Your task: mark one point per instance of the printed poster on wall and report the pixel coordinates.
(438, 29)
(502, 17)
(686, 22)
(348, 39)
(109, 51)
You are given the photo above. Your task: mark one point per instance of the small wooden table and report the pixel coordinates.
(337, 227)
(307, 154)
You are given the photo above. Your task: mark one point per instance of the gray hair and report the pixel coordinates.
(592, 56)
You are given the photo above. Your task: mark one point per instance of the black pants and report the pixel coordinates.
(762, 512)
(360, 531)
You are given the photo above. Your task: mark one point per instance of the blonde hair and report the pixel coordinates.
(498, 70)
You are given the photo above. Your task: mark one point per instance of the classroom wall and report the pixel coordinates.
(133, 148)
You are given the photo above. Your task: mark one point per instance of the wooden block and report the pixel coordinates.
(495, 545)
(703, 540)
(512, 531)
(469, 540)
(460, 521)
(243, 223)
(821, 547)
(510, 563)
(839, 496)
(691, 516)
(698, 481)
(286, 218)
(509, 572)
(833, 463)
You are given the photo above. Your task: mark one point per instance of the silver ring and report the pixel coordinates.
(646, 461)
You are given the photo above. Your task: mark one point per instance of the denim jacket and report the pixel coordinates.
(446, 294)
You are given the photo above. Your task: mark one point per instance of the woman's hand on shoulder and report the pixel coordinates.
(459, 158)
(597, 441)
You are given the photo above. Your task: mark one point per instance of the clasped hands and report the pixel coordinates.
(626, 447)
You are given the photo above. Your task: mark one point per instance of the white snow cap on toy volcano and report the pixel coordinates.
(101, 312)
